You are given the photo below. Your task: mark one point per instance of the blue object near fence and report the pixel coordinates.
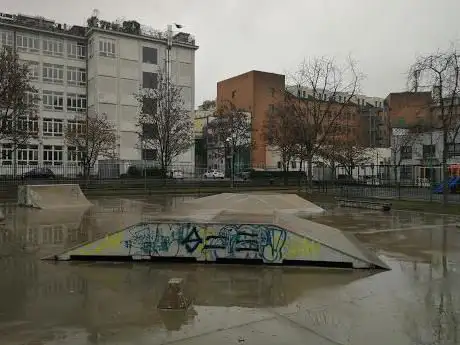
(452, 183)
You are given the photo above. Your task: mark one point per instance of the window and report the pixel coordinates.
(28, 125)
(149, 80)
(149, 131)
(52, 127)
(304, 94)
(107, 47)
(53, 47)
(34, 69)
(7, 154)
(149, 106)
(76, 76)
(406, 172)
(149, 154)
(53, 73)
(293, 164)
(429, 151)
(406, 152)
(52, 155)
(27, 43)
(6, 38)
(278, 164)
(76, 50)
(453, 149)
(149, 55)
(27, 154)
(31, 97)
(77, 127)
(73, 155)
(340, 99)
(76, 102)
(53, 100)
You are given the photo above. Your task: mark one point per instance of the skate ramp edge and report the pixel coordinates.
(200, 241)
(52, 196)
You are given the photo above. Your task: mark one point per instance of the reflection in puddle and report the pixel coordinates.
(417, 302)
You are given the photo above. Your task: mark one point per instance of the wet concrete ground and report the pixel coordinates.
(417, 302)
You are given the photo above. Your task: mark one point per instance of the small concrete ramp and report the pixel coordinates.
(260, 203)
(271, 239)
(52, 196)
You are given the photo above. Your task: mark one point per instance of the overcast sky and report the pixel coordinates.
(236, 36)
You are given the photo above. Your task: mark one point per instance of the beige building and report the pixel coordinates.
(96, 68)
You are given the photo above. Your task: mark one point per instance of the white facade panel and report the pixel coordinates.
(110, 110)
(129, 69)
(129, 145)
(107, 67)
(128, 89)
(129, 49)
(107, 89)
(128, 118)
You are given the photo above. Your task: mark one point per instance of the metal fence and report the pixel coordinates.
(369, 181)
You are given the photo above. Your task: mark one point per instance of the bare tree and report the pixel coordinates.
(18, 102)
(332, 89)
(94, 137)
(440, 73)
(207, 105)
(350, 154)
(280, 132)
(165, 125)
(230, 131)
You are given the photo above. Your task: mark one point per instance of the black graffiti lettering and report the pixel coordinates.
(246, 242)
(192, 240)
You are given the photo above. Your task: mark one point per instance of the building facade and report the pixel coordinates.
(420, 156)
(93, 69)
(256, 92)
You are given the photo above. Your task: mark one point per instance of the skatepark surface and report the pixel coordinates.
(87, 303)
(228, 227)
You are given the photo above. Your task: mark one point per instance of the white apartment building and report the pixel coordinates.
(91, 69)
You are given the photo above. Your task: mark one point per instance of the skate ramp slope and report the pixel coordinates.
(260, 203)
(52, 196)
(231, 237)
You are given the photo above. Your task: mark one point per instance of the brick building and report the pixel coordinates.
(256, 92)
(407, 108)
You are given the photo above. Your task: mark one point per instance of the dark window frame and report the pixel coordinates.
(150, 55)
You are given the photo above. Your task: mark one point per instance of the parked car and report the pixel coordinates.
(214, 174)
(39, 173)
(176, 174)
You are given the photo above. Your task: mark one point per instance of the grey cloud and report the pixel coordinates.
(235, 36)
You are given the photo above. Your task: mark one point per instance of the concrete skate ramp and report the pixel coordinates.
(52, 196)
(260, 203)
(232, 237)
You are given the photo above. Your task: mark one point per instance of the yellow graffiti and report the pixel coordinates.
(301, 248)
(110, 242)
(205, 231)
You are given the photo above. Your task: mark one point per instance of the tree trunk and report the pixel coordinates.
(445, 171)
(397, 180)
(309, 173)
